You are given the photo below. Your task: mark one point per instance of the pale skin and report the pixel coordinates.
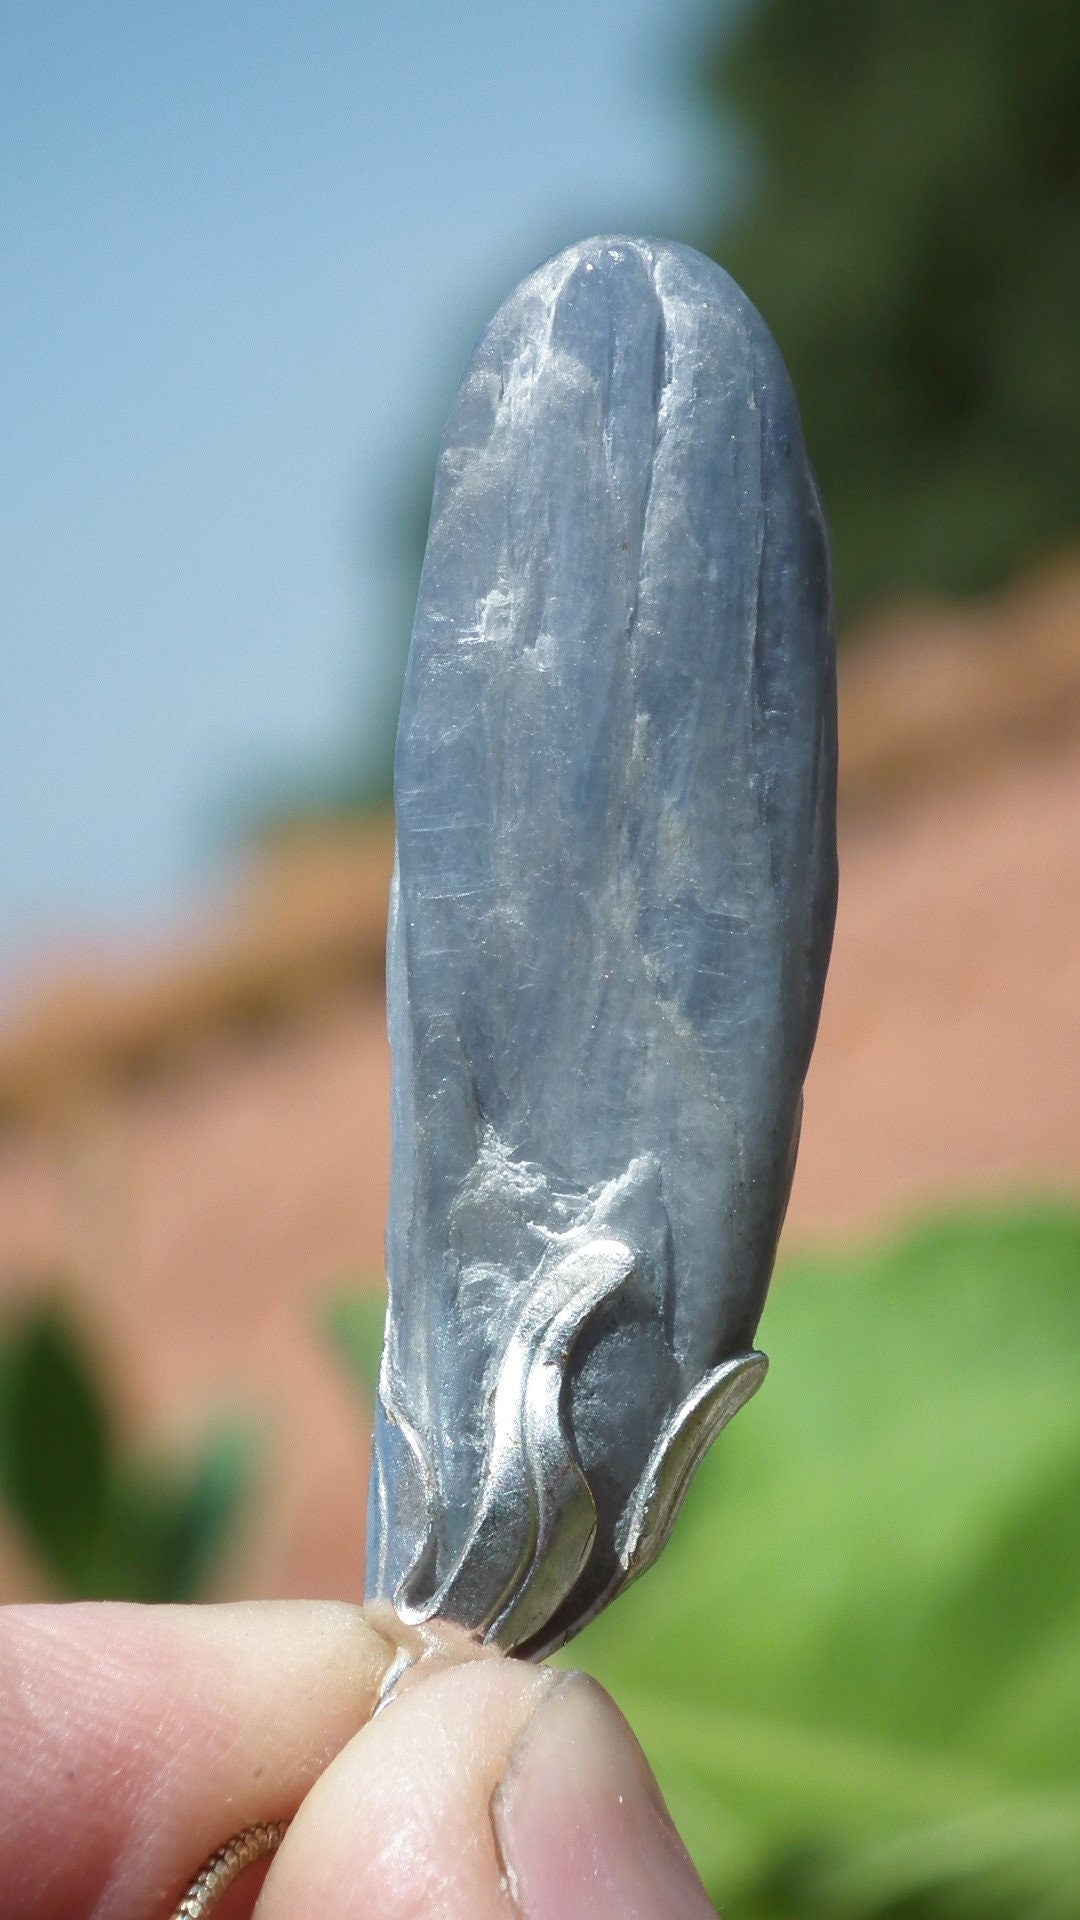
(134, 1741)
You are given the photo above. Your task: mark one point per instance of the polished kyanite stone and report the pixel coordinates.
(611, 922)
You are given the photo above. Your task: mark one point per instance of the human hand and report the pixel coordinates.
(134, 1741)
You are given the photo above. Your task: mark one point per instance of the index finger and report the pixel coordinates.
(136, 1739)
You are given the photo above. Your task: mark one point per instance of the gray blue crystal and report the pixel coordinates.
(616, 881)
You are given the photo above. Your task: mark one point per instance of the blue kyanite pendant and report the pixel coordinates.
(611, 920)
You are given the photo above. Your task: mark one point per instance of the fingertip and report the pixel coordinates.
(581, 1825)
(484, 1790)
(138, 1739)
(400, 1823)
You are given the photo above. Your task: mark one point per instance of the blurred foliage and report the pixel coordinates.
(105, 1526)
(353, 1321)
(911, 234)
(856, 1668)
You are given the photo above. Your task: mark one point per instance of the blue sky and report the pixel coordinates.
(243, 250)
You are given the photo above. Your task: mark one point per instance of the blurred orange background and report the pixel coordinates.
(198, 1138)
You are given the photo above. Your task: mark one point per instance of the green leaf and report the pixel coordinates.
(143, 1528)
(353, 1321)
(167, 1523)
(55, 1455)
(862, 1646)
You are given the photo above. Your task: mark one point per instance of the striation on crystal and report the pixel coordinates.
(610, 925)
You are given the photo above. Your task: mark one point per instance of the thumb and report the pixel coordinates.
(487, 1791)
